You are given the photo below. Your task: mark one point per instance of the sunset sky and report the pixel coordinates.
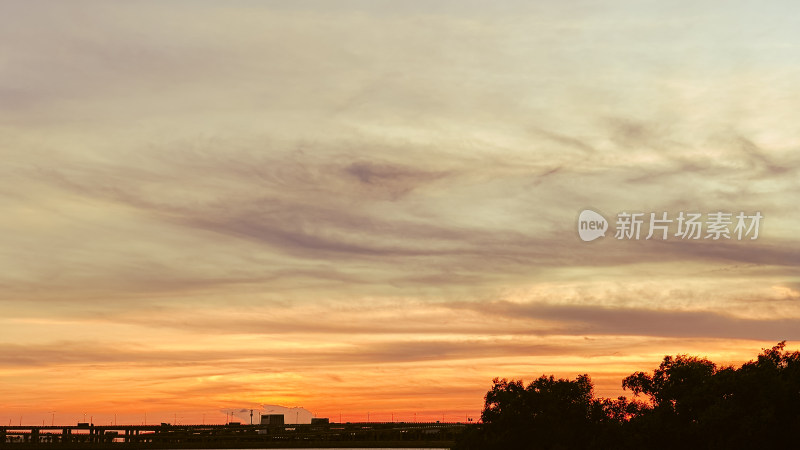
(371, 206)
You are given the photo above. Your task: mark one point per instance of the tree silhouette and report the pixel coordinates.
(689, 402)
(549, 413)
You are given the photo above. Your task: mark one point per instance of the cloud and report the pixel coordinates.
(239, 200)
(599, 320)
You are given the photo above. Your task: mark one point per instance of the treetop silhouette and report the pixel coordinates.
(687, 402)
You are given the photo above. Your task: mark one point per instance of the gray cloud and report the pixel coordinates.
(321, 213)
(275, 359)
(599, 320)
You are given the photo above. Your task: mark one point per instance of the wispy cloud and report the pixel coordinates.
(237, 196)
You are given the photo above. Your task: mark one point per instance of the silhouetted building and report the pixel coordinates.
(272, 419)
(320, 421)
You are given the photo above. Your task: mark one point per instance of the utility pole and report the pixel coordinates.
(251, 417)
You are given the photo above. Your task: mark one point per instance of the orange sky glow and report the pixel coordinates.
(370, 209)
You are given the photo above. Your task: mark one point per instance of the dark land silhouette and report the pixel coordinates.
(687, 402)
(232, 436)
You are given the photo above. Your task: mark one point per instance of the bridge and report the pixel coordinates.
(324, 435)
